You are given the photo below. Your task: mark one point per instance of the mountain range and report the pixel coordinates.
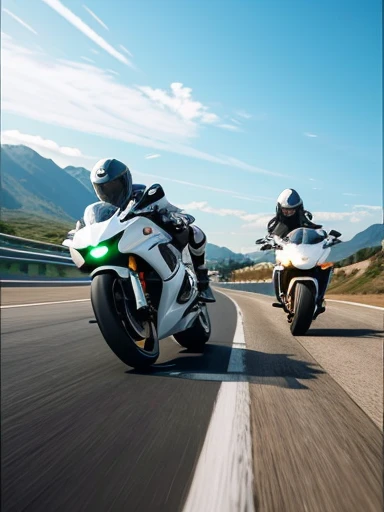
(36, 185)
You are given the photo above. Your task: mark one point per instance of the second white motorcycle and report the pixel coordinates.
(301, 270)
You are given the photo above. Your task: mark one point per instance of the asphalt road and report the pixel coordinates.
(83, 432)
(314, 447)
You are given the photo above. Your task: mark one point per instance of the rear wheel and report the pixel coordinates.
(304, 308)
(130, 334)
(198, 334)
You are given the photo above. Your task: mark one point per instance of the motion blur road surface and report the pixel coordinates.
(83, 432)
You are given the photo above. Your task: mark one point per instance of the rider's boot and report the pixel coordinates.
(320, 307)
(205, 292)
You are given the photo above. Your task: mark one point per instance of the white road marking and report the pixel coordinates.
(27, 282)
(43, 303)
(223, 480)
(326, 299)
(355, 304)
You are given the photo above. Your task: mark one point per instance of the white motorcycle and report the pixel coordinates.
(143, 287)
(301, 273)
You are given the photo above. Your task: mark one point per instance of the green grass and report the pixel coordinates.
(34, 227)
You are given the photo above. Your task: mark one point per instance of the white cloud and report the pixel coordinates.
(87, 59)
(16, 137)
(95, 17)
(113, 72)
(368, 207)
(350, 194)
(243, 114)
(229, 127)
(236, 121)
(234, 162)
(125, 50)
(256, 199)
(61, 155)
(86, 30)
(355, 216)
(19, 20)
(5, 36)
(87, 99)
(254, 218)
(150, 157)
(94, 51)
(311, 135)
(180, 101)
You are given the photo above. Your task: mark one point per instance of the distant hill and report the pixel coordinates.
(261, 256)
(370, 237)
(216, 253)
(31, 183)
(82, 175)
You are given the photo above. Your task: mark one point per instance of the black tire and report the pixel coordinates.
(198, 334)
(117, 324)
(304, 307)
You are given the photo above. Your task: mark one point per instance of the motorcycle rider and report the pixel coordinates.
(112, 182)
(290, 215)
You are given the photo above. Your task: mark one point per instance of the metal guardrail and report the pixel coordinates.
(30, 259)
(16, 242)
(263, 288)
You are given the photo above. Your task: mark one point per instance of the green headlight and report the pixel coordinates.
(98, 252)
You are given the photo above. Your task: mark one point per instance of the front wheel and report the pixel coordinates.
(198, 334)
(304, 308)
(130, 334)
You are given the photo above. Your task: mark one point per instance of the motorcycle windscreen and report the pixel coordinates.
(307, 236)
(98, 212)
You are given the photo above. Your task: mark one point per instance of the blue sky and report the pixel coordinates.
(225, 103)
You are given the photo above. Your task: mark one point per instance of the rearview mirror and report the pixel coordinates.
(259, 241)
(334, 233)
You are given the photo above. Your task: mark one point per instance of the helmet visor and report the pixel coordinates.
(288, 212)
(113, 192)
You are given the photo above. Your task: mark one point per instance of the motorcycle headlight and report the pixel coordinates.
(286, 262)
(99, 251)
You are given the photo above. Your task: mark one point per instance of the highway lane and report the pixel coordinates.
(81, 431)
(314, 449)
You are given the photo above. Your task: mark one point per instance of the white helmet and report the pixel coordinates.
(288, 202)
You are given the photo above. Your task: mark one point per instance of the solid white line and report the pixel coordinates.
(355, 304)
(223, 478)
(43, 303)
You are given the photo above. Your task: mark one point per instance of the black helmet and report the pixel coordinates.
(112, 182)
(288, 202)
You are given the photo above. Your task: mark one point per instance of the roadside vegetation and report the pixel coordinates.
(259, 272)
(352, 280)
(226, 268)
(358, 256)
(34, 227)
